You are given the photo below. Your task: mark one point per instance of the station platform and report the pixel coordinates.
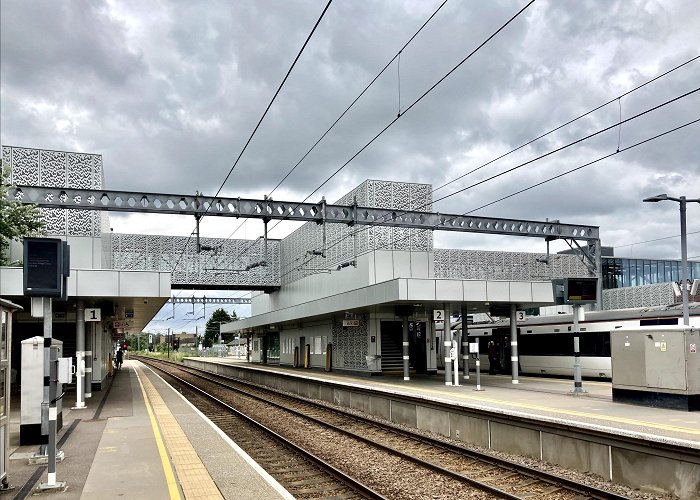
(139, 438)
(537, 397)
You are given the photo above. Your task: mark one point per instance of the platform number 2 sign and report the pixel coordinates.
(439, 315)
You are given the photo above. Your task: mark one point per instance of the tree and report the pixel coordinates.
(16, 219)
(211, 331)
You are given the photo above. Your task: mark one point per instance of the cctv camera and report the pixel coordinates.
(145, 301)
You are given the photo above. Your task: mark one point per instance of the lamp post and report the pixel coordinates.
(684, 247)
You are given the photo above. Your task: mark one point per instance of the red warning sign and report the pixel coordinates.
(693, 348)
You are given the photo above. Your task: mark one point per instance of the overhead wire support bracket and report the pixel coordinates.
(321, 221)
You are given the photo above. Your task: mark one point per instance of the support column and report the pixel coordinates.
(578, 384)
(90, 348)
(514, 343)
(405, 348)
(465, 344)
(80, 355)
(447, 344)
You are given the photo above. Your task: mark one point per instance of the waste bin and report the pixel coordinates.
(373, 363)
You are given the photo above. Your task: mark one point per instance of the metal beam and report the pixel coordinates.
(209, 300)
(267, 209)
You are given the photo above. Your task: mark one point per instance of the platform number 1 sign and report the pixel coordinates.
(439, 315)
(93, 314)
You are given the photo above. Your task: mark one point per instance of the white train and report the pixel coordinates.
(546, 344)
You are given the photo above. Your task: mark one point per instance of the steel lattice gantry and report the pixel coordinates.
(267, 209)
(209, 300)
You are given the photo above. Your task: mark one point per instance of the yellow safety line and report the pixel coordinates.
(529, 406)
(195, 480)
(167, 467)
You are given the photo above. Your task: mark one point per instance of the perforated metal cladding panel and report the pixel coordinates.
(659, 294)
(350, 345)
(513, 266)
(225, 266)
(38, 167)
(340, 247)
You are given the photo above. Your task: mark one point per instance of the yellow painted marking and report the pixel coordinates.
(167, 468)
(530, 406)
(194, 477)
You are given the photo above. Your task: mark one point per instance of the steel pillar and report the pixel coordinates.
(514, 343)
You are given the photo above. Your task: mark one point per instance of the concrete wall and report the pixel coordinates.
(650, 467)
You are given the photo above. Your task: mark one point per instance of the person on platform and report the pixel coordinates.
(120, 358)
(493, 357)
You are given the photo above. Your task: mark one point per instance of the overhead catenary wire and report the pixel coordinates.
(637, 144)
(662, 75)
(337, 120)
(568, 123)
(378, 222)
(414, 103)
(257, 126)
(655, 239)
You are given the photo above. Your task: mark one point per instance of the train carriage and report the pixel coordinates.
(546, 345)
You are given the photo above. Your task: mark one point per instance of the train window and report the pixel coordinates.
(658, 321)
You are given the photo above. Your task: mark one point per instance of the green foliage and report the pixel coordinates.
(16, 220)
(211, 331)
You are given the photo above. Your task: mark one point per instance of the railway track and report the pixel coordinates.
(393, 462)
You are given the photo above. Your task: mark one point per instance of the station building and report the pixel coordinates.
(351, 288)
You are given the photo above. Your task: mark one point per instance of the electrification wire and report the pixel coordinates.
(352, 104)
(279, 89)
(655, 239)
(378, 222)
(419, 99)
(381, 72)
(546, 133)
(567, 123)
(567, 145)
(584, 166)
(414, 103)
(394, 242)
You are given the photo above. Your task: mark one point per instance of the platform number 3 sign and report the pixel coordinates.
(439, 315)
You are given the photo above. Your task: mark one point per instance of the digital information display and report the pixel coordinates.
(43, 267)
(580, 290)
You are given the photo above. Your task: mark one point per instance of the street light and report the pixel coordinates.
(684, 247)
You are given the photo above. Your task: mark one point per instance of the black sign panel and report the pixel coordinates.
(580, 290)
(43, 267)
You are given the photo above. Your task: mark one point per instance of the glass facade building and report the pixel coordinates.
(622, 272)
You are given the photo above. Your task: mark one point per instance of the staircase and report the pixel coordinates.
(392, 356)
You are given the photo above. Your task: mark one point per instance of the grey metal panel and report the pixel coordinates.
(448, 290)
(498, 291)
(420, 289)
(520, 291)
(628, 358)
(665, 361)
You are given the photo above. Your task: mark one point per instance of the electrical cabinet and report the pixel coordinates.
(656, 366)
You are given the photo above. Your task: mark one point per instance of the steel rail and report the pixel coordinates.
(332, 471)
(552, 479)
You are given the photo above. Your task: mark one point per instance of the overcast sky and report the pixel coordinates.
(168, 92)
